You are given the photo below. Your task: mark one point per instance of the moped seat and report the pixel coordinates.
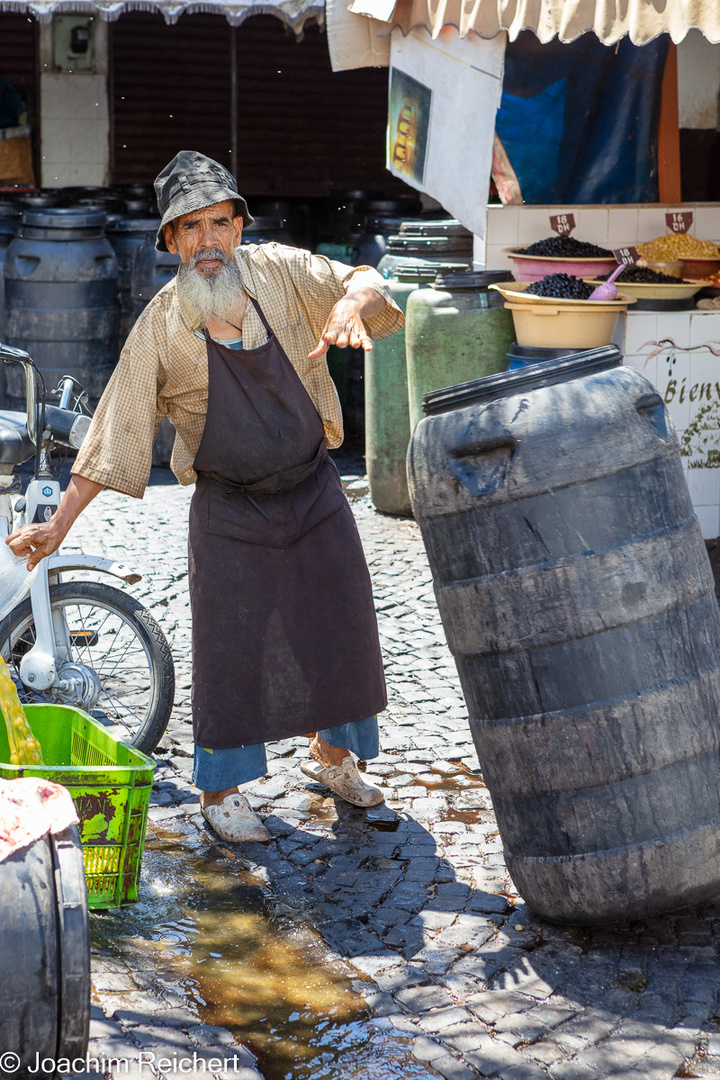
(15, 443)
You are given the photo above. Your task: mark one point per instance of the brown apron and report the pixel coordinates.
(285, 636)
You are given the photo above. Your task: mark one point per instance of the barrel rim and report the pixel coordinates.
(64, 217)
(419, 244)
(508, 383)
(476, 280)
(134, 224)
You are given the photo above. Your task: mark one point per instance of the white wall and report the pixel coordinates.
(698, 81)
(74, 118)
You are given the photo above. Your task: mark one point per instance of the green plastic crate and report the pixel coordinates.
(110, 784)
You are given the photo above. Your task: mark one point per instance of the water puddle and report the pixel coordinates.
(203, 935)
(459, 782)
(355, 486)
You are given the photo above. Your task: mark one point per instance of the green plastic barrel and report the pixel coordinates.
(456, 331)
(387, 418)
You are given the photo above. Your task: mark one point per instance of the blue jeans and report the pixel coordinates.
(218, 770)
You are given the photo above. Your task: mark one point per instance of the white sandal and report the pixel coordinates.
(345, 780)
(233, 820)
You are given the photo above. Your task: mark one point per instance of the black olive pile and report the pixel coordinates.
(561, 286)
(643, 275)
(565, 247)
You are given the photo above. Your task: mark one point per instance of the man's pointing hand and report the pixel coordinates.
(344, 327)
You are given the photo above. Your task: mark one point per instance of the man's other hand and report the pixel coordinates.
(345, 324)
(39, 541)
(36, 541)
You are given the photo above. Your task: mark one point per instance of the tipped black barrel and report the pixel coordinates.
(45, 956)
(578, 601)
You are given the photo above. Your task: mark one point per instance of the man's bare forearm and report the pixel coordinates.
(370, 302)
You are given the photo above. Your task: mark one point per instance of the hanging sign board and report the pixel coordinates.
(436, 142)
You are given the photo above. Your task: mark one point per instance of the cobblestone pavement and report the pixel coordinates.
(411, 899)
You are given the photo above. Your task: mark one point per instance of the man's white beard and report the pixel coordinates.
(204, 295)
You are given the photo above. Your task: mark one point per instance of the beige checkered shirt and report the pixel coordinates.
(163, 368)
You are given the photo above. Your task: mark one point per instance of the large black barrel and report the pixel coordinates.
(578, 602)
(267, 228)
(45, 955)
(127, 236)
(151, 270)
(61, 299)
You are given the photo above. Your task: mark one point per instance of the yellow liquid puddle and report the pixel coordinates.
(202, 936)
(24, 747)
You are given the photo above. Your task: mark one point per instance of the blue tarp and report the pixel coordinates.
(579, 121)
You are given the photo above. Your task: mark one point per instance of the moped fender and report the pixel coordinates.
(62, 561)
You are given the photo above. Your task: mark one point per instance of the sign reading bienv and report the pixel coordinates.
(679, 220)
(562, 224)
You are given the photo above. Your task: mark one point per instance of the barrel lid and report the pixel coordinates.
(136, 191)
(479, 280)
(382, 223)
(539, 353)
(421, 273)
(509, 383)
(439, 227)
(423, 245)
(35, 202)
(136, 206)
(266, 221)
(55, 217)
(135, 225)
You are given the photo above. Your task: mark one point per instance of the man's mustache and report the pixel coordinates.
(209, 253)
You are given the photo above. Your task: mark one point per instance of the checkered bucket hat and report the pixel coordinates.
(190, 182)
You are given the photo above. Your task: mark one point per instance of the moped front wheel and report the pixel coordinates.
(113, 659)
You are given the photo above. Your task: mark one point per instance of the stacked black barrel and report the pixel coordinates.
(61, 299)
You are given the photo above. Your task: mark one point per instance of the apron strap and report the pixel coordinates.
(263, 320)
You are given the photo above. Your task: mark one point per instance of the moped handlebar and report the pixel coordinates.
(63, 425)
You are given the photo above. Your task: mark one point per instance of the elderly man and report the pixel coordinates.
(233, 351)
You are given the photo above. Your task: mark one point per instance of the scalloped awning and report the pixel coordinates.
(295, 13)
(641, 20)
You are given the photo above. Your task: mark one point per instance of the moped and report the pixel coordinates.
(74, 641)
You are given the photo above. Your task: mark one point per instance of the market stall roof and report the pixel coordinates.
(642, 20)
(294, 13)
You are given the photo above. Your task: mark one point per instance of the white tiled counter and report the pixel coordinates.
(674, 350)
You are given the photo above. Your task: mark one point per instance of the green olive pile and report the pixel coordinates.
(561, 286)
(565, 247)
(643, 275)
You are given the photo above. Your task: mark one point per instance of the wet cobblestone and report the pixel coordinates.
(412, 899)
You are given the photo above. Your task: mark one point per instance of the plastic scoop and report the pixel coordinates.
(607, 290)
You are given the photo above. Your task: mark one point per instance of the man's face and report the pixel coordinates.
(210, 230)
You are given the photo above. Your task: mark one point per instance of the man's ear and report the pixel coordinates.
(169, 234)
(238, 226)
